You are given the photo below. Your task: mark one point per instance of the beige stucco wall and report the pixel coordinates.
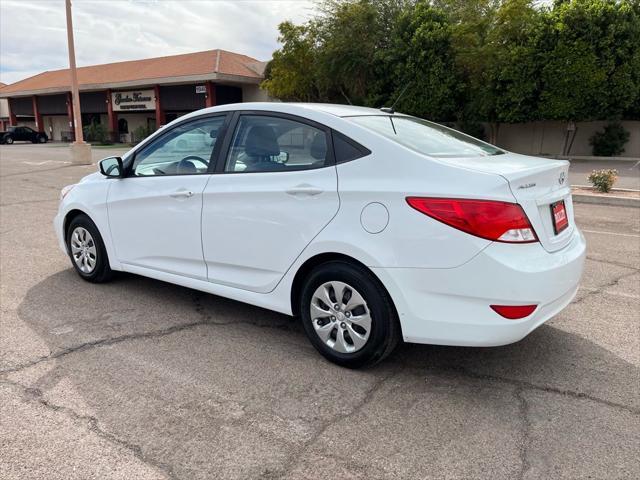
(253, 93)
(4, 108)
(547, 138)
(54, 125)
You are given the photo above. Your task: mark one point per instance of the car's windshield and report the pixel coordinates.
(426, 137)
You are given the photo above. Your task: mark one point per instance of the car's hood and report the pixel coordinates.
(92, 177)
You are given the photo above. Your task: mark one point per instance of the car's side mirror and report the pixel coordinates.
(112, 167)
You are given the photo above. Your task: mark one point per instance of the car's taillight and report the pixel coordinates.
(497, 221)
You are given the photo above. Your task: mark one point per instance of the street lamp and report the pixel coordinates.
(80, 151)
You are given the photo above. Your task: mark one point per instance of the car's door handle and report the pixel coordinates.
(304, 190)
(182, 194)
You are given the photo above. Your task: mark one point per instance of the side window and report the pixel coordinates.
(346, 149)
(267, 144)
(184, 150)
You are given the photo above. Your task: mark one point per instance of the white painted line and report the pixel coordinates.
(622, 294)
(37, 164)
(612, 233)
(609, 292)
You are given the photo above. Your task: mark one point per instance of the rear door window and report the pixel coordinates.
(263, 143)
(346, 149)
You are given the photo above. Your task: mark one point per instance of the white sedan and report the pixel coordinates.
(370, 226)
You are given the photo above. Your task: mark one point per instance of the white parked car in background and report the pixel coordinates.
(370, 226)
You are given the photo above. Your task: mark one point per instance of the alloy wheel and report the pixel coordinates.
(340, 317)
(83, 250)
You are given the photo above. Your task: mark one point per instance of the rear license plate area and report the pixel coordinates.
(559, 217)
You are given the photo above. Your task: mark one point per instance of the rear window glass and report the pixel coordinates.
(426, 137)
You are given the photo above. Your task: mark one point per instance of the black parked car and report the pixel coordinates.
(24, 134)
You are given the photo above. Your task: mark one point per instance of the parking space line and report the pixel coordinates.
(633, 235)
(609, 292)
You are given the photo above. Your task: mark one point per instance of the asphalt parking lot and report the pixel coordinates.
(138, 379)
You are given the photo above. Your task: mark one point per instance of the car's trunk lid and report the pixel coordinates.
(536, 184)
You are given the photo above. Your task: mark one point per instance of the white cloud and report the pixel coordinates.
(33, 33)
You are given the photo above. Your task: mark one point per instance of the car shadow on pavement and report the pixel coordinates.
(181, 374)
(68, 313)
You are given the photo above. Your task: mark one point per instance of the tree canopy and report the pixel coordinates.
(466, 60)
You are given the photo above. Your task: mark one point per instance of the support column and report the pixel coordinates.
(210, 100)
(36, 114)
(70, 114)
(112, 119)
(159, 112)
(13, 120)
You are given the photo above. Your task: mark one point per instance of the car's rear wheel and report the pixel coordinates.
(348, 315)
(42, 139)
(86, 250)
(8, 140)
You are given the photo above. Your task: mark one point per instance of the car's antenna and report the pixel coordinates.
(390, 109)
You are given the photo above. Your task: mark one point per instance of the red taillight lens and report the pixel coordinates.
(498, 221)
(514, 312)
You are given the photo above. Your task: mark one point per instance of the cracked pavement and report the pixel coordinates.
(146, 380)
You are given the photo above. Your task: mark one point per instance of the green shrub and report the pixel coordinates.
(96, 132)
(603, 180)
(475, 129)
(610, 141)
(140, 134)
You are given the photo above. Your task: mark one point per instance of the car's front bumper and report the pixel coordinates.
(452, 306)
(58, 226)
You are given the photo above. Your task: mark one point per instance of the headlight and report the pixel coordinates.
(65, 191)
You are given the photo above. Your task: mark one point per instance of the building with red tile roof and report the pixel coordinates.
(124, 96)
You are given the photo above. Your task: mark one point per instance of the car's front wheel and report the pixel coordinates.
(86, 250)
(42, 139)
(8, 140)
(348, 315)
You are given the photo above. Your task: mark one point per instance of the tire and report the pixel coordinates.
(331, 330)
(84, 241)
(8, 140)
(42, 139)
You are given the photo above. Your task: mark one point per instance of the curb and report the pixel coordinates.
(601, 200)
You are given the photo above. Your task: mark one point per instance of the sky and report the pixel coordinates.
(33, 32)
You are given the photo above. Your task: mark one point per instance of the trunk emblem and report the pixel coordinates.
(562, 178)
(526, 185)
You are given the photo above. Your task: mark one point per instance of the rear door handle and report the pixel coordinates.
(305, 190)
(182, 194)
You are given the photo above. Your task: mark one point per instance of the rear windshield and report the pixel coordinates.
(426, 137)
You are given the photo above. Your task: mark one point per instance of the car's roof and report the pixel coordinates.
(340, 110)
(299, 108)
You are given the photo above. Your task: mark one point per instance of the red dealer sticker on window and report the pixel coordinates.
(559, 215)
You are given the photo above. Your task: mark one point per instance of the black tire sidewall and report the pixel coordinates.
(102, 269)
(379, 305)
(8, 140)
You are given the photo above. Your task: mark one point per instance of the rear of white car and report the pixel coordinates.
(485, 245)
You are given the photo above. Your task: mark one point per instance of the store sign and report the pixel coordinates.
(201, 89)
(134, 100)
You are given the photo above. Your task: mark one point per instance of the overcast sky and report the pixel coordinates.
(33, 36)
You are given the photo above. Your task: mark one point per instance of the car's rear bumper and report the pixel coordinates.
(452, 306)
